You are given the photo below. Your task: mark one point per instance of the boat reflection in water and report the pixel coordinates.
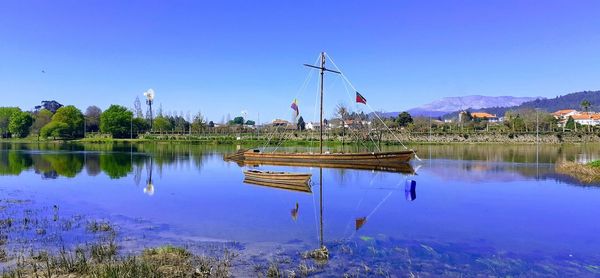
(404, 168)
(321, 254)
(298, 187)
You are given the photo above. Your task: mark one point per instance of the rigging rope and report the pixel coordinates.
(369, 133)
(373, 110)
(300, 90)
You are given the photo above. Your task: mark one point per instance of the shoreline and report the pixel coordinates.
(302, 140)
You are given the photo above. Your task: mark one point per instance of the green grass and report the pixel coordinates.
(594, 164)
(101, 260)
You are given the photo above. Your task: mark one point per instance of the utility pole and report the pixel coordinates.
(537, 126)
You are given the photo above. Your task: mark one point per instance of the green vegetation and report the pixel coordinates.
(41, 118)
(237, 121)
(162, 124)
(67, 123)
(92, 119)
(55, 130)
(595, 164)
(19, 124)
(117, 121)
(199, 123)
(404, 119)
(103, 261)
(6, 114)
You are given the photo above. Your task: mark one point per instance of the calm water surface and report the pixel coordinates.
(477, 209)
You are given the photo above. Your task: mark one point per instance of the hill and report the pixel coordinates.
(450, 104)
(569, 101)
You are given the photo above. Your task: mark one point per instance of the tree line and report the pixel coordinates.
(68, 122)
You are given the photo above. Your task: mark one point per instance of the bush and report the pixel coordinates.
(55, 129)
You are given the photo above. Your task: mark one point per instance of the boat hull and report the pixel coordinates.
(382, 158)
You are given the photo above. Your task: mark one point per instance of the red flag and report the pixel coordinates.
(360, 98)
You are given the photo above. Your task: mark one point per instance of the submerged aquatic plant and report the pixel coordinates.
(98, 226)
(320, 254)
(586, 173)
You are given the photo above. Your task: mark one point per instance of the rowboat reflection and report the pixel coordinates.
(321, 254)
(403, 168)
(299, 187)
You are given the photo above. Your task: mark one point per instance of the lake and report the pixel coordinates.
(477, 209)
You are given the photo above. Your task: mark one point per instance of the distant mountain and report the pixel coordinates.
(569, 101)
(450, 104)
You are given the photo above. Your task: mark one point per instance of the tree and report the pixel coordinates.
(137, 108)
(250, 122)
(117, 121)
(570, 124)
(92, 118)
(41, 118)
(19, 125)
(55, 129)
(211, 124)
(140, 125)
(5, 115)
(71, 116)
(161, 124)
(237, 121)
(342, 112)
(301, 124)
(50, 105)
(585, 104)
(404, 119)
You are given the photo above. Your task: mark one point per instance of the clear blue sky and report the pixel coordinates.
(223, 57)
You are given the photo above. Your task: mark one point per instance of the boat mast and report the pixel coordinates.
(322, 69)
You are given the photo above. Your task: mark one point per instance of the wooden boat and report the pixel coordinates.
(364, 158)
(373, 158)
(299, 187)
(277, 177)
(404, 168)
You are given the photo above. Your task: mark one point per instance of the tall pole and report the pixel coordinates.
(537, 126)
(322, 74)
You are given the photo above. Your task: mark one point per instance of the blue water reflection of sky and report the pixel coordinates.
(497, 205)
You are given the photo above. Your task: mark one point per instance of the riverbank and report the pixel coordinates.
(307, 138)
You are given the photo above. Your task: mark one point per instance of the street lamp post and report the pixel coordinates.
(149, 100)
